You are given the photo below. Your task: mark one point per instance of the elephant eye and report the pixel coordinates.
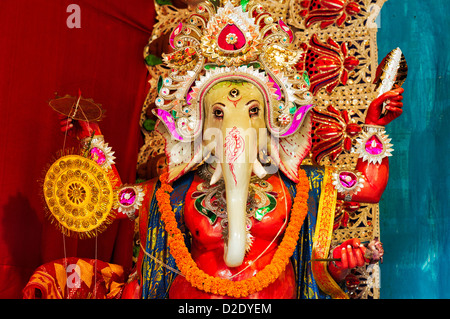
(218, 113)
(253, 111)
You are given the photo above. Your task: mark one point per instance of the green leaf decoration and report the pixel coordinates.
(206, 212)
(149, 125)
(306, 78)
(293, 109)
(160, 83)
(163, 2)
(215, 3)
(255, 65)
(244, 4)
(152, 60)
(210, 66)
(261, 212)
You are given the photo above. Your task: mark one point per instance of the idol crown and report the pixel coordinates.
(232, 42)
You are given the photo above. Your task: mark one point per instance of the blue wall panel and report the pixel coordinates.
(414, 211)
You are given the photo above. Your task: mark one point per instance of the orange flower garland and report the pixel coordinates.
(220, 286)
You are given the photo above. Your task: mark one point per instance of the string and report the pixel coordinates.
(72, 116)
(86, 118)
(160, 262)
(96, 233)
(76, 106)
(95, 268)
(63, 235)
(65, 264)
(65, 135)
(66, 131)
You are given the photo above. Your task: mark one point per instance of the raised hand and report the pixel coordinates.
(379, 115)
(77, 129)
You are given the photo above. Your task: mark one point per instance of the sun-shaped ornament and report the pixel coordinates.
(79, 196)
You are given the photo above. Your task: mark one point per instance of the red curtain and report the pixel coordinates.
(41, 55)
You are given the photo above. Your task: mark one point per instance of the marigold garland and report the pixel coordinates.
(220, 286)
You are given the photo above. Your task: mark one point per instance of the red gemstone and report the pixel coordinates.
(237, 42)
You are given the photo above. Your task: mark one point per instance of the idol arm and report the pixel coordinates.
(381, 111)
(87, 131)
(352, 253)
(375, 181)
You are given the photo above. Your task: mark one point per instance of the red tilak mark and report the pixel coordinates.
(234, 146)
(234, 102)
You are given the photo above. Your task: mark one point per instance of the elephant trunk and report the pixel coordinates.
(237, 179)
(236, 169)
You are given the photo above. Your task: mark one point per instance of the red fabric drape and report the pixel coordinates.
(40, 55)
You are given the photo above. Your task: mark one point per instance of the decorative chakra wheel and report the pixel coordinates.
(79, 195)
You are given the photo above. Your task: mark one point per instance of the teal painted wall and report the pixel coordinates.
(414, 211)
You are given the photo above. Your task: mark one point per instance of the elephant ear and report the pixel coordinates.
(289, 152)
(181, 156)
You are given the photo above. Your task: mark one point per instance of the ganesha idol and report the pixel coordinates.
(236, 214)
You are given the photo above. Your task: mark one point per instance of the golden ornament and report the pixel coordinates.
(79, 196)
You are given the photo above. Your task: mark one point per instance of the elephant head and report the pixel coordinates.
(236, 142)
(234, 116)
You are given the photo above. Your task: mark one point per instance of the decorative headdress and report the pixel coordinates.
(232, 43)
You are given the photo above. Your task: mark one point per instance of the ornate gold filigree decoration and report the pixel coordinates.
(79, 196)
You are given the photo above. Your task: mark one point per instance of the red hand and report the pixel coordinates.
(394, 109)
(351, 253)
(78, 129)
